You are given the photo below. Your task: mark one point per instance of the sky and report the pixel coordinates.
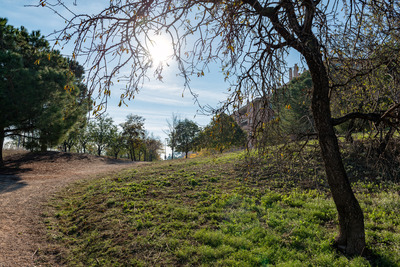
(157, 100)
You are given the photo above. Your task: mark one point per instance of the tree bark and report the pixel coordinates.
(351, 237)
(134, 154)
(350, 130)
(383, 144)
(43, 147)
(2, 136)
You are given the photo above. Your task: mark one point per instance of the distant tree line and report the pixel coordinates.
(221, 134)
(100, 136)
(44, 103)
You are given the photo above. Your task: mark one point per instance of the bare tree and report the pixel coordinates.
(171, 132)
(153, 146)
(250, 39)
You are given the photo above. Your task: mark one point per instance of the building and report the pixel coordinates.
(259, 110)
(253, 114)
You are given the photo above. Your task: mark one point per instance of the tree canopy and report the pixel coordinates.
(221, 134)
(134, 133)
(186, 134)
(101, 132)
(39, 94)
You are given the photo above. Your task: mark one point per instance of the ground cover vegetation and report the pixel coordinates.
(250, 41)
(225, 210)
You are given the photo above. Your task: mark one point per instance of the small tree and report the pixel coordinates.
(117, 143)
(133, 133)
(221, 134)
(153, 147)
(70, 140)
(83, 137)
(101, 132)
(171, 132)
(186, 133)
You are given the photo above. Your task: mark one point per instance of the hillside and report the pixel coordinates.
(219, 211)
(27, 183)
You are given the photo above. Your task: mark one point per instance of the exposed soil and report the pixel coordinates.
(26, 184)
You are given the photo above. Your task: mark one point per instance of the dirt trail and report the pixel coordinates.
(25, 187)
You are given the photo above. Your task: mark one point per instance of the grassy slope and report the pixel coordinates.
(211, 211)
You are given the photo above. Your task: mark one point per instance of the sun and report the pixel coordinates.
(160, 49)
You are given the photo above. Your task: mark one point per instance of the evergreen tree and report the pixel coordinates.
(38, 92)
(292, 105)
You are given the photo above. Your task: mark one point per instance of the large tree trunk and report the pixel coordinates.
(2, 136)
(134, 154)
(43, 146)
(351, 236)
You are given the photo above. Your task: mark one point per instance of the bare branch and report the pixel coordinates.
(374, 117)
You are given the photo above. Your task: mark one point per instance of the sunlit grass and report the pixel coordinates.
(213, 211)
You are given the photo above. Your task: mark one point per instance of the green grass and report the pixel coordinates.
(215, 212)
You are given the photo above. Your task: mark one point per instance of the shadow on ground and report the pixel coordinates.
(17, 165)
(9, 183)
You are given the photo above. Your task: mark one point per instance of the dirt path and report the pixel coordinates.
(26, 186)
